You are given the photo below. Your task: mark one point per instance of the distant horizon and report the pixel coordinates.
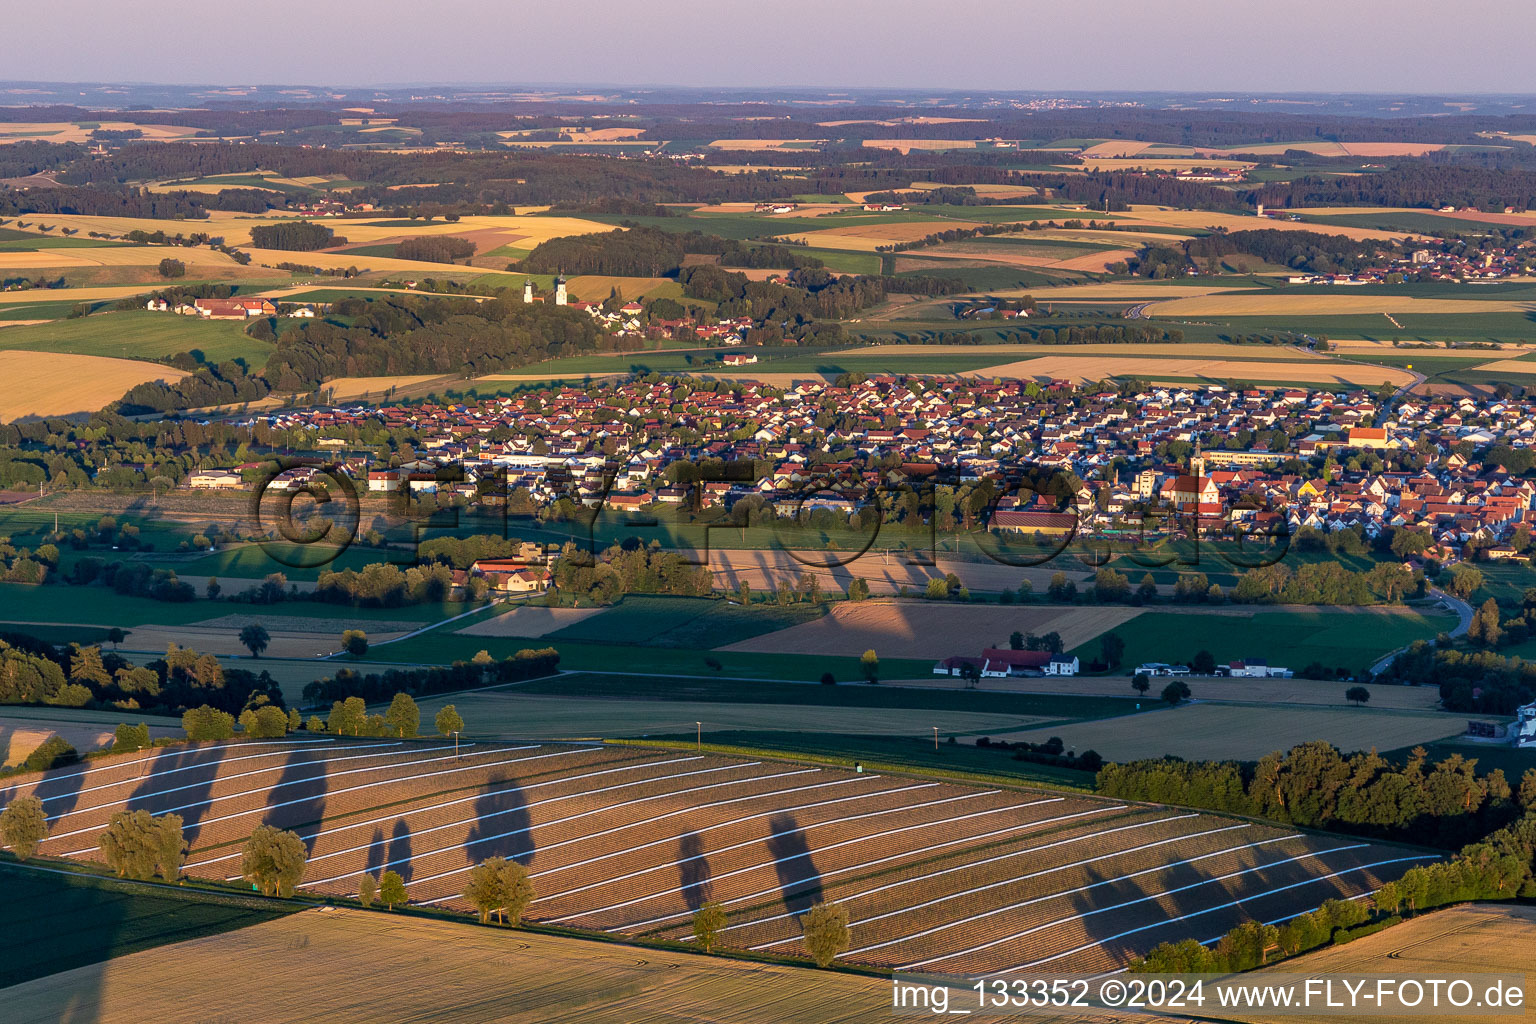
(1324, 47)
(817, 88)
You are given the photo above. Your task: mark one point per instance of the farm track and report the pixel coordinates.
(935, 875)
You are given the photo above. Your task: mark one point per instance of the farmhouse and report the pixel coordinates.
(233, 309)
(738, 358)
(215, 480)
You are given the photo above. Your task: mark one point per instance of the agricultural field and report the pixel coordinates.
(140, 334)
(55, 384)
(24, 728)
(1497, 938)
(1232, 732)
(56, 921)
(1351, 638)
(631, 840)
(527, 978)
(916, 629)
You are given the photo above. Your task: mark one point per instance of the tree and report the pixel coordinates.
(213, 589)
(1112, 649)
(1484, 627)
(129, 738)
(170, 268)
(354, 642)
(448, 721)
(254, 638)
(858, 590)
(23, 826)
(1140, 683)
(116, 636)
(347, 717)
(499, 886)
(869, 663)
(1465, 581)
(1357, 695)
(403, 716)
(826, 932)
(1204, 662)
(138, 845)
(1176, 691)
(708, 920)
(367, 890)
(391, 889)
(274, 860)
(268, 722)
(208, 723)
(1016, 641)
(53, 752)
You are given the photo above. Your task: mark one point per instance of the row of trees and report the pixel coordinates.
(1446, 803)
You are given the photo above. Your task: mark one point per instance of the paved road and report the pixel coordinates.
(1464, 613)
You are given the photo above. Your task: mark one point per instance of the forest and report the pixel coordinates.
(1300, 250)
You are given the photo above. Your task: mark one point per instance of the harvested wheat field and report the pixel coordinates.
(935, 875)
(1096, 368)
(1162, 215)
(913, 629)
(755, 145)
(1515, 366)
(52, 384)
(20, 734)
(1231, 732)
(1486, 937)
(529, 620)
(458, 974)
(345, 389)
(1270, 303)
(69, 131)
(596, 287)
(225, 640)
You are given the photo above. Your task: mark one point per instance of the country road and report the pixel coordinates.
(1463, 612)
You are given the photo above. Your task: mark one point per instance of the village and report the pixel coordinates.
(1153, 462)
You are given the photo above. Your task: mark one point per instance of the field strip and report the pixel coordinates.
(1209, 910)
(351, 789)
(161, 752)
(522, 808)
(215, 765)
(1019, 878)
(967, 865)
(649, 821)
(779, 860)
(669, 839)
(1063, 867)
(1129, 903)
(396, 815)
(784, 887)
(211, 764)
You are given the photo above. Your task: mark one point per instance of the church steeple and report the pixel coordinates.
(1197, 462)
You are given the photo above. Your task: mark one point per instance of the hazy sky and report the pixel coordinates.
(1413, 46)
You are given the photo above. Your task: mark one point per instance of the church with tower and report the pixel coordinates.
(561, 299)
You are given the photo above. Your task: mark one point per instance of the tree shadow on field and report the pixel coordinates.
(297, 782)
(399, 855)
(375, 855)
(500, 810)
(185, 792)
(792, 863)
(693, 870)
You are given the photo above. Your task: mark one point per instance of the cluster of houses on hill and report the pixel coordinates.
(1294, 457)
(1450, 262)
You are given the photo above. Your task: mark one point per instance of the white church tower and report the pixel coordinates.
(560, 298)
(528, 291)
